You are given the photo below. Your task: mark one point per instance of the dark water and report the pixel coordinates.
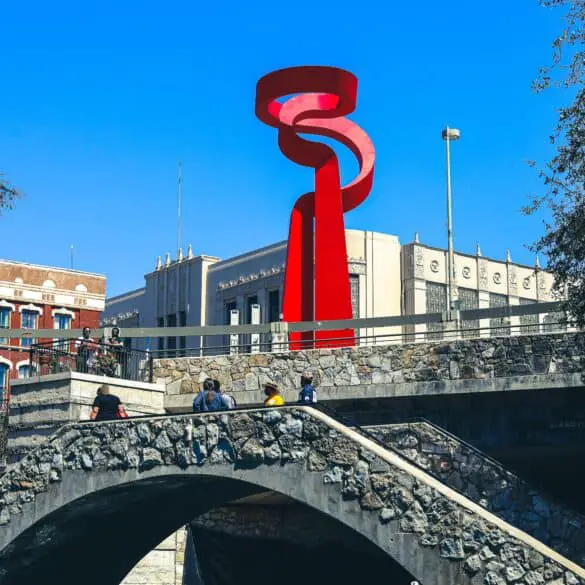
(229, 560)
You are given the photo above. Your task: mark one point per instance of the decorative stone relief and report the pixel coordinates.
(434, 266)
(483, 274)
(497, 278)
(419, 265)
(526, 283)
(356, 267)
(466, 272)
(512, 281)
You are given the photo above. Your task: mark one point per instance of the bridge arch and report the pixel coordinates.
(97, 497)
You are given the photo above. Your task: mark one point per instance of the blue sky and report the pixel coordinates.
(100, 100)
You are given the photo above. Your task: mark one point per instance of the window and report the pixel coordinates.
(554, 322)
(4, 374)
(171, 340)
(274, 306)
(183, 339)
(529, 323)
(62, 321)
(497, 300)
(161, 340)
(468, 299)
(29, 320)
(251, 301)
(4, 321)
(228, 308)
(436, 303)
(25, 371)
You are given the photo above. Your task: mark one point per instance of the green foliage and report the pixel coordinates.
(564, 175)
(8, 195)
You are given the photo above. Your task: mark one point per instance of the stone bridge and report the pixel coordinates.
(88, 504)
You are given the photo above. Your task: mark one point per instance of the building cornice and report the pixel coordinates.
(52, 268)
(472, 256)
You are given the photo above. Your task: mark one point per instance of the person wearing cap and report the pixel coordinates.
(307, 395)
(273, 397)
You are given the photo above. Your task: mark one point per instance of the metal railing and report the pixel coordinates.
(275, 337)
(100, 359)
(358, 340)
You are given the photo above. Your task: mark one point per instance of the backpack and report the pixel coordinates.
(228, 401)
(307, 395)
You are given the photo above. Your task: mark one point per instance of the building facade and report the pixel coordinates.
(41, 297)
(386, 279)
(479, 283)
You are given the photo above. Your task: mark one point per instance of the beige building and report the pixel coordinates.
(386, 279)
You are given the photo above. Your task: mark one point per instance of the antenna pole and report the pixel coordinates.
(71, 252)
(179, 208)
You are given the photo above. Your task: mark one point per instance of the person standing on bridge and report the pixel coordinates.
(308, 394)
(228, 401)
(107, 406)
(207, 398)
(273, 396)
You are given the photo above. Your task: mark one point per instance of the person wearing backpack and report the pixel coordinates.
(208, 399)
(308, 394)
(228, 401)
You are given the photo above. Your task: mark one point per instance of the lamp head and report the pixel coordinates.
(451, 134)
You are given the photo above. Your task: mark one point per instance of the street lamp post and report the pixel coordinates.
(449, 135)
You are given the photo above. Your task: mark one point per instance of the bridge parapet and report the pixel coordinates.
(444, 362)
(434, 532)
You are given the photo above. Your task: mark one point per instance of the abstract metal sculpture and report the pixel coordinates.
(316, 283)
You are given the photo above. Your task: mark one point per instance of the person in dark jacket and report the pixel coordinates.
(107, 406)
(208, 398)
(308, 394)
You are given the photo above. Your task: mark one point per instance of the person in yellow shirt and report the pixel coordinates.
(273, 397)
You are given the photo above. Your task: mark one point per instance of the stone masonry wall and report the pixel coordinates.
(489, 484)
(384, 364)
(394, 500)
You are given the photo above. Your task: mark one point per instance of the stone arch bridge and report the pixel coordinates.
(89, 503)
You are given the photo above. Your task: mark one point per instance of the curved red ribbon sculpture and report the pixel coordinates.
(321, 97)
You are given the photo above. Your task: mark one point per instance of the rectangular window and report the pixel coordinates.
(436, 303)
(161, 340)
(4, 373)
(171, 340)
(4, 322)
(29, 320)
(274, 306)
(468, 299)
(183, 339)
(227, 310)
(25, 372)
(554, 323)
(528, 323)
(250, 301)
(62, 322)
(496, 323)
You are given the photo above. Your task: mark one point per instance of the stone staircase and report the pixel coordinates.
(488, 483)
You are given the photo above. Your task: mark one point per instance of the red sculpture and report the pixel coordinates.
(316, 285)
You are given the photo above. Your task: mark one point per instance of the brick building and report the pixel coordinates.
(42, 297)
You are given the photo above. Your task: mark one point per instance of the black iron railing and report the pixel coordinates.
(100, 359)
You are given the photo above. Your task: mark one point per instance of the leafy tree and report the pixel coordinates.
(564, 175)
(8, 195)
